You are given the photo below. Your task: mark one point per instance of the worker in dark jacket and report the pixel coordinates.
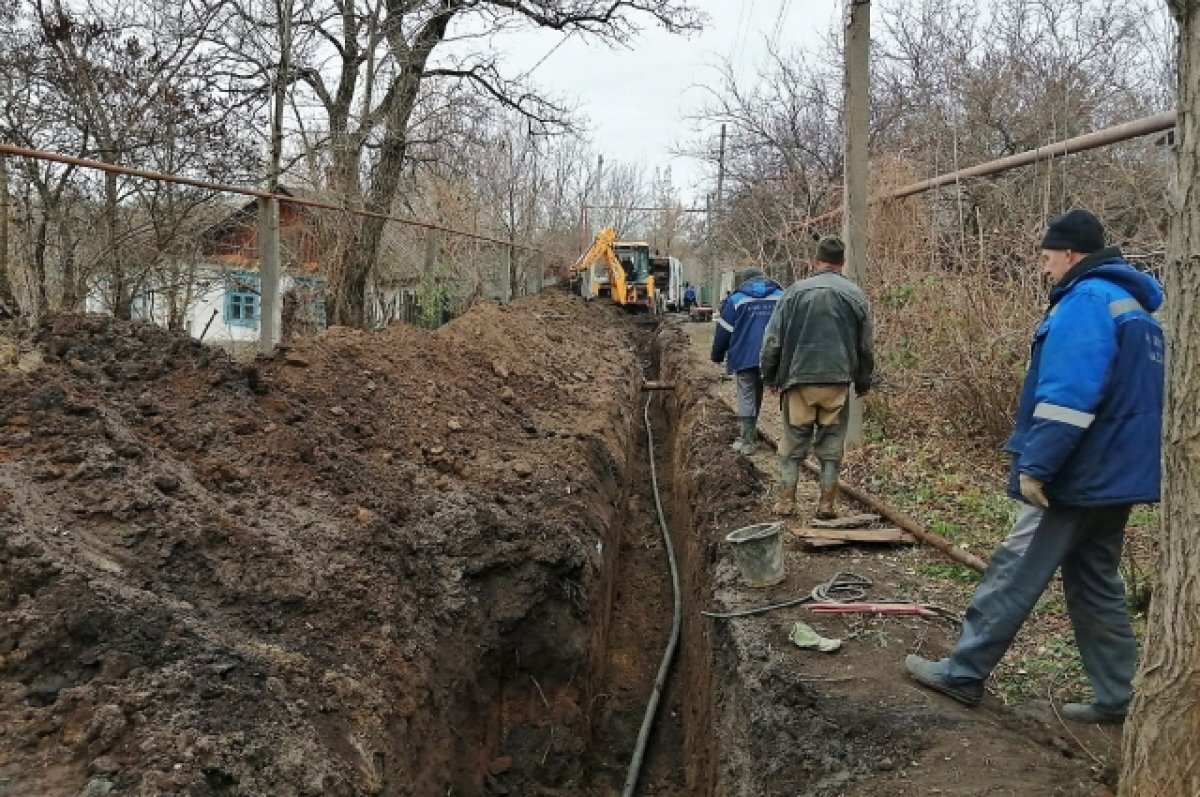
(818, 344)
(1085, 448)
(737, 342)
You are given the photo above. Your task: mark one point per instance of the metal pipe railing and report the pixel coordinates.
(1145, 126)
(127, 171)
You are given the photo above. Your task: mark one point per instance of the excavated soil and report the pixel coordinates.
(422, 564)
(375, 564)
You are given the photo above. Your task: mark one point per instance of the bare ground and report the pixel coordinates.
(414, 563)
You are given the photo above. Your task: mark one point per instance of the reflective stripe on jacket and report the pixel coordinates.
(737, 340)
(1089, 423)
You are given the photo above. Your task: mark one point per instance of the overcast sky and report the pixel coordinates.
(636, 100)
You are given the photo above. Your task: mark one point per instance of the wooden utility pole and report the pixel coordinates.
(268, 275)
(856, 120)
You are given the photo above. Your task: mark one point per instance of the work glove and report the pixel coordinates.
(1033, 490)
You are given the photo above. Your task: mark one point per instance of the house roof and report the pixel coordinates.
(240, 219)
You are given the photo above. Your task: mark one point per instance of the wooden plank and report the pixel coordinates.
(816, 543)
(856, 535)
(848, 522)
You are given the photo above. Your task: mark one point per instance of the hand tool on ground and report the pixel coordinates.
(915, 609)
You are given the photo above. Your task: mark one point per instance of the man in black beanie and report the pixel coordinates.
(818, 344)
(1084, 449)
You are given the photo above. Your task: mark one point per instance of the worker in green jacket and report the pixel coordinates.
(817, 344)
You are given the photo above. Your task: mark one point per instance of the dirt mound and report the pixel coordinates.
(308, 575)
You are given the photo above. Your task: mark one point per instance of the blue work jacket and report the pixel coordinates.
(744, 315)
(1089, 423)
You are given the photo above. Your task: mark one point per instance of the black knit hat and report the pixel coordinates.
(830, 249)
(1078, 230)
(748, 274)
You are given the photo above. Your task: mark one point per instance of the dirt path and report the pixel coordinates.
(865, 728)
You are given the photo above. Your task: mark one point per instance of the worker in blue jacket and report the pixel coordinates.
(1085, 448)
(737, 341)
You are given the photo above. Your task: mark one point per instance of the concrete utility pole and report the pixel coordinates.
(714, 225)
(856, 116)
(594, 189)
(268, 275)
(721, 171)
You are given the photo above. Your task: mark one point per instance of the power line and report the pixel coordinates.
(779, 18)
(542, 60)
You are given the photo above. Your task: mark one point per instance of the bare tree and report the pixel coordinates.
(783, 157)
(128, 85)
(385, 57)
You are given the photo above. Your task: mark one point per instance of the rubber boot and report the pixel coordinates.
(749, 434)
(785, 503)
(746, 437)
(827, 504)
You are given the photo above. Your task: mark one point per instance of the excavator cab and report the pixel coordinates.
(635, 256)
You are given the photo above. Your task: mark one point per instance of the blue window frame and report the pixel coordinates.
(241, 304)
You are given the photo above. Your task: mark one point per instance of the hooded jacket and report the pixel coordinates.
(821, 334)
(744, 316)
(1089, 423)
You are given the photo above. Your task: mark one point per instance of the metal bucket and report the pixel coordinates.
(758, 551)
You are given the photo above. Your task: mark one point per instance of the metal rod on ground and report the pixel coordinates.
(639, 751)
(908, 524)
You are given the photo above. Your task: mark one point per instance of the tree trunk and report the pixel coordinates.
(8, 302)
(122, 298)
(358, 260)
(72, 300)
(41, 243)
(1163, 735)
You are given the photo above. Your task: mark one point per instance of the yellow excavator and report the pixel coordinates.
(629, 275)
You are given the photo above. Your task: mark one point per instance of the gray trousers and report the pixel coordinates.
(1086, 543)
(827, 441)
(749, 385)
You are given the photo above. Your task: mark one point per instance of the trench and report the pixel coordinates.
(544, 723)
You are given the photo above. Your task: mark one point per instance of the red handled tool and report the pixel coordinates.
(914, 609)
